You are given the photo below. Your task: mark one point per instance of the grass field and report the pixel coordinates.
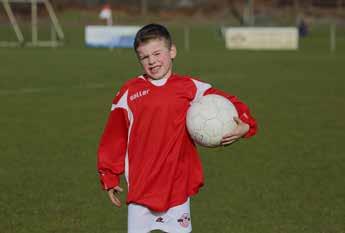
(287, 179)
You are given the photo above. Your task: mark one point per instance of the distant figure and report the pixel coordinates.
(302, 28)
(106, 14)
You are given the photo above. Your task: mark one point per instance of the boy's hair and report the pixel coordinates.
(151, 32)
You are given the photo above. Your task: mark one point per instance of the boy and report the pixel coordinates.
(146, 138)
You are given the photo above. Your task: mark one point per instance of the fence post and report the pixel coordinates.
(339, 5)
(34, 31)
(332, 39)
(143, 7)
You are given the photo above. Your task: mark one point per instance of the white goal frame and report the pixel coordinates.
(57, 35)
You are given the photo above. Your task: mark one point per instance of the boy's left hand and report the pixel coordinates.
(241, 129)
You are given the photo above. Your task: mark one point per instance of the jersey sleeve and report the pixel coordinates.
(242, 109)
(113, 143)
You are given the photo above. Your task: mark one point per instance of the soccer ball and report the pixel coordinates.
(209, 119)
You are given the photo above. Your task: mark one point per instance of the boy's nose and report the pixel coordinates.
(151, 60)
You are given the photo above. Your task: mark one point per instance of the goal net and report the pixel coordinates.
(29, 23)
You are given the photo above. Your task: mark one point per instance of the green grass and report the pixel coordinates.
(287, 179)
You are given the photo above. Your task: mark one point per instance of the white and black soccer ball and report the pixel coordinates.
(209, 119)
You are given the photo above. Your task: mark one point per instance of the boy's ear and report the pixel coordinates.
(173, 51)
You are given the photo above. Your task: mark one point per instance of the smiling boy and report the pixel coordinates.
(146, 139)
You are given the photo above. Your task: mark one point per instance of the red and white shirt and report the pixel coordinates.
(146, 139)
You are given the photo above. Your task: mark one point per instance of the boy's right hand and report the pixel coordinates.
(113, 194)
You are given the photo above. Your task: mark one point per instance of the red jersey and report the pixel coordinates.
(146, 139)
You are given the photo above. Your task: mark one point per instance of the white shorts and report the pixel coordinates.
(175, 220)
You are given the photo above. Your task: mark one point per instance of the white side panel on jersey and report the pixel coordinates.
(122, 103)
(201, 87)
(131, 119)
(142, 77)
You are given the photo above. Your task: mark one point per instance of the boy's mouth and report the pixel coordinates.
(155, 69)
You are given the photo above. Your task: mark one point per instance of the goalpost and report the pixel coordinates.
(56, 35)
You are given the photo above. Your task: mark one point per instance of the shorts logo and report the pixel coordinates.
(184, 220)
(160, 219)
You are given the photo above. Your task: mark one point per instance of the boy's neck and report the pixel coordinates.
(159, 82)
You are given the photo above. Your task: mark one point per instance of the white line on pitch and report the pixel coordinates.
(48, 89)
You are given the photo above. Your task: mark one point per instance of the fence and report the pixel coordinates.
(324, 20)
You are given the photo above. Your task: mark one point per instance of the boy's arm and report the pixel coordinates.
(112, 148)
(242, 109)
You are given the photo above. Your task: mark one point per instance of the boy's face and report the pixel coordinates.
(156, 58)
